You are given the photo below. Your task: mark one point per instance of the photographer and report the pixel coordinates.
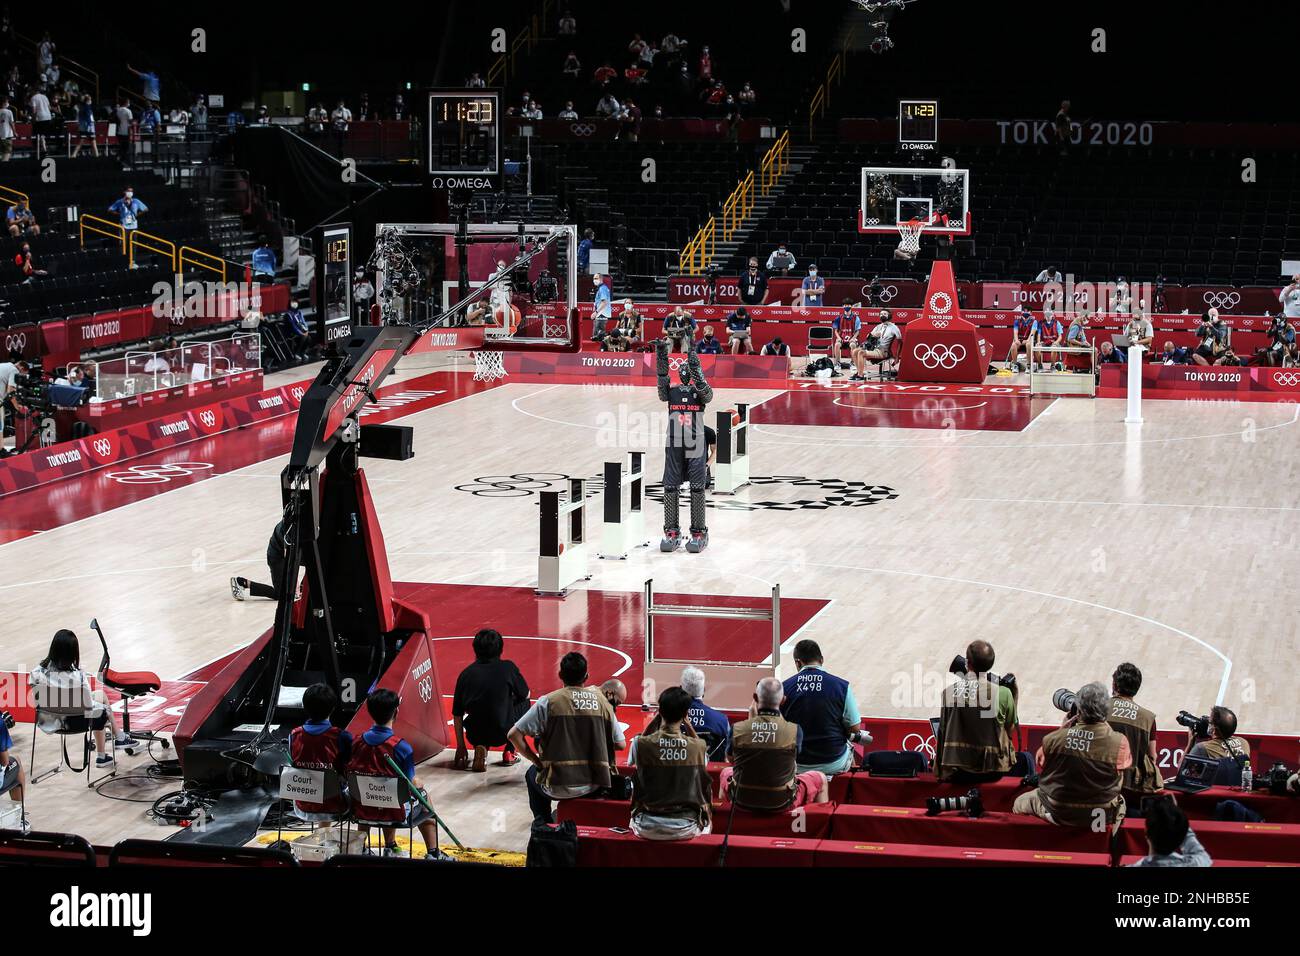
(1215, 737)
(679, 328)
(670, 790)
(1140, 332)
(1138, 725)
(1213, 333)
(1282, 348)
(1082, 765)
(976, 721)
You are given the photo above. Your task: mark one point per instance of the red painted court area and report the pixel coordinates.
(865, 407)
(63, 502)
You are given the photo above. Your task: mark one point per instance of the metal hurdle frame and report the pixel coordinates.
(562, 551)
(730, 683)
(624, 532)
(732, 472)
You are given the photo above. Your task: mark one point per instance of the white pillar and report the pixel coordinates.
(1134, 416)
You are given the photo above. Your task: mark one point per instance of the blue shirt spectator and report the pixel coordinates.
(584, 251)
(128, 209)
(150, 86)
(847, 320)
(704, 718)
(1109, 355)
(709, 345)
(824, 707)
(814, 287)
(150, 119)
(297, 321)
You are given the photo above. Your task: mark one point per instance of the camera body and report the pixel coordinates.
(1065, 700)
(958, 667)
(1199, 726)
(545, 289)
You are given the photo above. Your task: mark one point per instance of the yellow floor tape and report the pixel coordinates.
(467, 855)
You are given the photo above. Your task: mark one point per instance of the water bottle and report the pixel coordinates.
(1247, 778)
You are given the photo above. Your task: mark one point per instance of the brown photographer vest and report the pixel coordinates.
(1078, 774)
(1217, 749)
(671, 777)
(577, 748)
(970, 737)
(1138, 725)
(763, 753)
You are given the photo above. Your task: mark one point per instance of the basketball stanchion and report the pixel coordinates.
(731, 683)
(624, 530)
(562, 553)
(732, 472)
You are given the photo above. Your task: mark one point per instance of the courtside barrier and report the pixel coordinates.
(731, 683)
(624, 530)
(562, 554)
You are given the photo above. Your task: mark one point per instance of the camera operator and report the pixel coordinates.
(711, 273)
(1282, 348)
(1082, 765)
(1138, 725)
(976, 721)
(545, 288)
(1215, 737)
(1213, 333)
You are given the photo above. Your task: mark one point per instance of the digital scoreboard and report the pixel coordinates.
(334, 282)
(464, 139)
(918, 123)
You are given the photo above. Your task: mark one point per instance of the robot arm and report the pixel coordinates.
(704, 389)
(661, 368)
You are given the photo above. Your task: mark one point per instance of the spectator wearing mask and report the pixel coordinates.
(753, 284)
(341, 122)
(128, 209)
(7, 131)
(977, 721)
(1173, 355)
(568, 25)
(572, 65)
(711, 725)
(60, 681)
(1107, 354)
(577, 735)
(1077, 334)
(491, 695)
(679, 328)
(764, 776)
(1139, 328)
(319, 745)
(813, 288)
(708, 344)
(608, 107)
(1045, 336)
(1170, 840)
(878, 346)
(297, 331)
(604, 306)
(21, 221)
(739, 332)
(199, 115)
(42, 119)
(777, 347)
(150, 119)
(1289, 297)
(26, 266)
(629, 325)
(604, 73)
(1138, 725)
(568, 113)
(1214, 335)
(1082, 767)
(671, 791)
(123, 118)
(846, 327)
(826, 711)
(584, 250)
(370, 755)
(1049, 274)
(780, 261)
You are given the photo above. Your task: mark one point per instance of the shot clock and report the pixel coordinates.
(464, 139)
(334, 282)
(918, 123)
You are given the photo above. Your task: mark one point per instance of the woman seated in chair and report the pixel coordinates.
(59, 681)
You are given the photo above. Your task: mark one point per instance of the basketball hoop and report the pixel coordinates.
(489, 365)
(910, 237)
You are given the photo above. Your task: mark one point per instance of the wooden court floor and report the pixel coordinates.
(1069, 540)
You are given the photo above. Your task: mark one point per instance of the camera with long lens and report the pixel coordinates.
(545, 289)
(1066, 701)
(971, 805)
(32, 389)
(958, 667)
(1199, 726)
(8, 720)
(1274, 780)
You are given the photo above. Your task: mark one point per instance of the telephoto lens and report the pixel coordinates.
(958, 666)
(1065, 700)
(971, 804)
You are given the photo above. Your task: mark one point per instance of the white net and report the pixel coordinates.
(489, 365)
(909, 233)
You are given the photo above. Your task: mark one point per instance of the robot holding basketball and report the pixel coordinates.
(687, 451)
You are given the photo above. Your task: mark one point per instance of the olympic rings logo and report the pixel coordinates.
(940, 302)
(888, 293)
(916, 742)
(1221, 300)
(297, 392)
(157, 474)
(18, 341)
(939, 323)
(582, 129)
(1290, 379)
(511, 486)
(939, 356)
(208, 418)
(425, 688)
(103, 447)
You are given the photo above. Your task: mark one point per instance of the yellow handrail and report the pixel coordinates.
(190, 256)
(16, 192)
(142, 239)
(699, 250)
(738, 206)
(775, 162)
(95, 224)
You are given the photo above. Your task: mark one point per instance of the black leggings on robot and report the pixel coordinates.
(687, 452)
